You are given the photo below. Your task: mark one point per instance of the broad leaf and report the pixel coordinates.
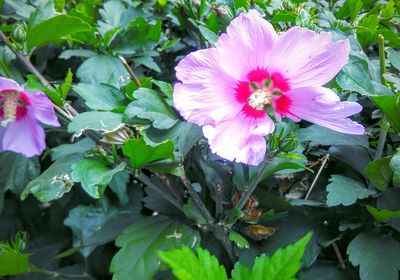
(390, 106)
(345, 191)
(140, 243)
(382, 215)
(103, 121)
(54, 29)
(379, 173)
(141, 153)
(378, 256)
(54, 182)
(94, 176)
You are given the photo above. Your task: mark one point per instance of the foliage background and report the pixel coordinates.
(88, 209)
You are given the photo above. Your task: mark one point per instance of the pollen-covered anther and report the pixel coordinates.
(10, 104)
(260, 99)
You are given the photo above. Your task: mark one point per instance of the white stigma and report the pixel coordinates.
(260, 99)
(10, 104)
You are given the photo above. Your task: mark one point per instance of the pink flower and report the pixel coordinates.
(252, 71)
(20, 112)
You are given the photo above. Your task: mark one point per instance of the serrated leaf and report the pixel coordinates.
(151, 106)
(378, 256)
(100, 96)
(379, 173)
(54, 29)
(80, 146)
(140, 153)
(345, 191)
(187, 266)
(94, 176)
(54, 182)
(283, 264)
(103, 121)
(140, 243)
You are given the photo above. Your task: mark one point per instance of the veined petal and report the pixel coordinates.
(246, 45)
(240, 139)
(306, 58)
(320, 106)
(43, 108)
(206, 94)
(25, 136)
(8, 84)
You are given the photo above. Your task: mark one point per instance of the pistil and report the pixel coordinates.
(10, 104)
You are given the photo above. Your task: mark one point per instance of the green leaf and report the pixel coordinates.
(355, 77)
(382, 215)
(187, 266)
(80, 146)
(283, 264)
(394, 58)
(239, 240)
(345, 191)
(84, 222)
(319, 135)
(65, 87)
(390, 106)
(100, 97)
(103, 121)
(54, 182)
(140, 243)
(286, 165)
(151, 106)
(101, 69)
(55, 29)
(141, 153)
(12, 263)
(94, 176)
(210, 36)
(378, 256)
(33, 84)
(379, 173)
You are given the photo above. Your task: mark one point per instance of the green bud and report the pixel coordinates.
(289, 143)
(19, 32)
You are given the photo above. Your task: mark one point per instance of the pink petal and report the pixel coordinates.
(240, 139)
(206, 94)
(8, 84)
(25, 136)
(320, 106)
(42, 108)
(307, 58)
(246, 45)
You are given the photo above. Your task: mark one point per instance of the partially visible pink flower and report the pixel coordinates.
(230, 89)
(20, 112)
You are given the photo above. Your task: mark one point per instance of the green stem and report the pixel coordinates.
(382, 132)
(249, 191)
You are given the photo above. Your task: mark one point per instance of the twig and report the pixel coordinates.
(382, 132)
(146, 180)
(325, 160)
(249, 191)
(218, 201)
(130, 71)
(338, 255)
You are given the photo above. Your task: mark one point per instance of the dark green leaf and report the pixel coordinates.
(379, 173)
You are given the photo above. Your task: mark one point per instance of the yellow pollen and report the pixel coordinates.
(260, 99)
(10, 104)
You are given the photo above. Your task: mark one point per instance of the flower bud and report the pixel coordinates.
(19, 32)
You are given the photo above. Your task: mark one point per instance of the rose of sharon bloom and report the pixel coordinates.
(230, 89)
(20, 112)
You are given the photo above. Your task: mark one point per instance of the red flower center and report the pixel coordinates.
(12, 106)
(258, 92)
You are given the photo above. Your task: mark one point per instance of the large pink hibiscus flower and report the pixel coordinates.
(20, 112)
(229, 89)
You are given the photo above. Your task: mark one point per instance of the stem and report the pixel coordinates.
(338, 255)
(249, 191)
(146, 180)
(382, 132)
(317, 176)
(218, 201)
(56, 274)
(217, 229)
(130, 71)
